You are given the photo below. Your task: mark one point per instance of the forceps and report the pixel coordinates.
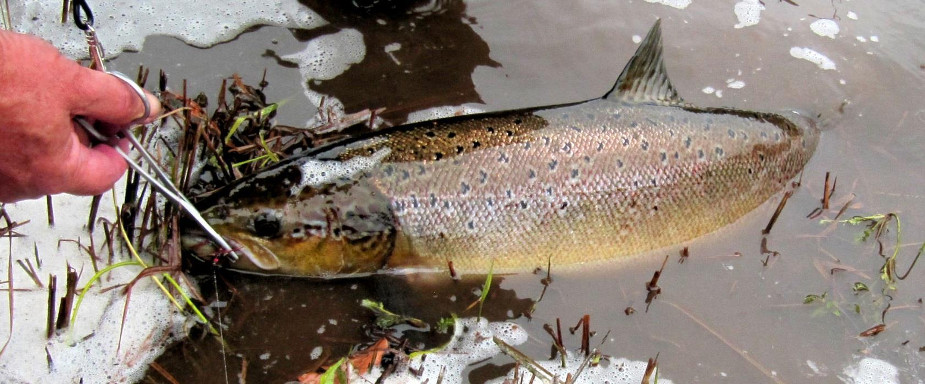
(159, 180)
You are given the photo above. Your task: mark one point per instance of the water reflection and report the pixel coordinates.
(277, 328)
(419, 54)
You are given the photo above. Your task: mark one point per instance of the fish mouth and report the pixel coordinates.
(252, 256)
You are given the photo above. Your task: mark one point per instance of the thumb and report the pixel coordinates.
(95, 170)
(104, 97)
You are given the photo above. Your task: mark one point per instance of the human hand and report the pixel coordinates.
(42, 150)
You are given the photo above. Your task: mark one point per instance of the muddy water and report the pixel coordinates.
(730, 313)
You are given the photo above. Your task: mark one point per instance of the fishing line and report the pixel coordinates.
(218, 312)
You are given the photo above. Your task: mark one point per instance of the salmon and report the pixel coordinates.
(633, 171)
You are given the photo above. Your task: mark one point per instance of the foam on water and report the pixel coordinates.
(871, 371)
(813, 57)
(328, 56)
(471, 342)
(90, 350)
(825, 27)
(610, 370)
(124, 24)
(679, 4)
(748, 12)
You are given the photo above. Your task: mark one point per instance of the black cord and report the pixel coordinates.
(81, 8)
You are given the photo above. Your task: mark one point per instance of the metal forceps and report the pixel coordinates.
(159, 180)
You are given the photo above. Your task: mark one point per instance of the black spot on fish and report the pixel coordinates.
(504, 158)
(635, 184)
(619, 163)
(564, 205)
(576, 129)
(760, 157)
(490, 201)
(626, 141)
(451, 135)
(464, 188)
(587, 159)
(654, 182)
(567, 147)
(483, 176)
(490, 129)
(776, 136)
(266, 225)
(750, 171)
(405, 175)
(509, 193)
(552, 165)
(677, 155)
(700, 153)
(459, 149)
(438, 156)
(518, 121)
(546, 140)
(663, 156)
(731, 133)
(764, 135)
(600, 146)
(655, 208)
(433, 200)
(471, 224)
(634, 124)
(644, 145)
(428, 134)
(719, 151)
(574, 173)
(531, 174)
(527, 145)
(687, 142)
(370, 151)
(421, 170)
(446, 204)
(548, 191)
(744, 135)
(523, 204)
(509, 133)
(476, 144)
(414, 201)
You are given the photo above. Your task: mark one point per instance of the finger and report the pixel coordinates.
(107, 98)
(96, 170)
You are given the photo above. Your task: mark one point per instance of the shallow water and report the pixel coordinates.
(723, 316)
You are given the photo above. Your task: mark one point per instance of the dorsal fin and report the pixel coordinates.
(644, 78)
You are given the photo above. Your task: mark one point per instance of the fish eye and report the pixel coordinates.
(266, 224)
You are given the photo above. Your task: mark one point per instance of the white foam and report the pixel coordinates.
(88, 350)
(679, 4)
(708, 90)
(748, 12)
(735, 84)
(871, 371)
(328, 56)
(318, 172)
(471, 342)
(813, 57)
(851, 15)
(637, 39)
(610, 370)
(124, 24)
(825, 27)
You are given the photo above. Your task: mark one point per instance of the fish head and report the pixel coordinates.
(809, 125)
(338, 228)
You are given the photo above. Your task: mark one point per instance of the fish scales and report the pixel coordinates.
(634, 171)
(592, 181)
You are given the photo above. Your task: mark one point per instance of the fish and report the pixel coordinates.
(621, 175)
